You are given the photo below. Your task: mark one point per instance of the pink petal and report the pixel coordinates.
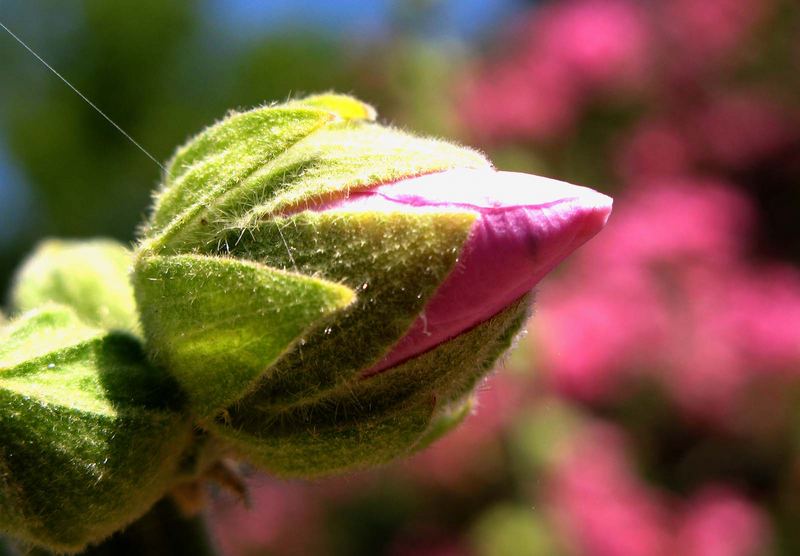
(526, 226)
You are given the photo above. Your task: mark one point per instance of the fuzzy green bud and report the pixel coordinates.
(274, 314)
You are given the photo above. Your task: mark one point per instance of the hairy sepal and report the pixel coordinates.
(217, 324)
(371, 421)
(91, 434)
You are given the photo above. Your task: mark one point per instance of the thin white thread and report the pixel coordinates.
(288, 251)
(89, 102)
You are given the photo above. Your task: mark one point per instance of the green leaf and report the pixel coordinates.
(395, 262)
(39, 332)
(350, 156)
(90, 434)
(217, 324)
(447, 419)
(91, 276)
(326, 440)
(371, 421)
(345, 107)
(279, 159)
(216, 162)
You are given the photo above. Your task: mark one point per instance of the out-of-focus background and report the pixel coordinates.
(654, 406)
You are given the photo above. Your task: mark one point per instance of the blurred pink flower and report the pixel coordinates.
(464, 457)
(602, 508)
(719, 521)
(674, 220)
(603, 43)
(560, 55)
(519, 99)
(673, 298)
(764, 316)
(591, 343)
(600, 505)
(738, 330)
(739, 129)
(269, 522)
(731, 131)
(703, 33)
(656, 148)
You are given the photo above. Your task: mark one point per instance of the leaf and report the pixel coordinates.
(447, 419)
(91, 276)
(247, 180)
(90, 434)
(366, 422)
(345, 107)
(39, 332)
(218, 323)
(395, 261)
(215, 162)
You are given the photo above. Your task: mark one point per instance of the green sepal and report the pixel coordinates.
(92, 277)
(395, 261)
(340, 158)
(329, 164)
(371, 420)
(213, 173)
(217, 324)
(343, 106)
(324, 441)
(223, 155)
(447, 419)
(234, 185)
(90, 434)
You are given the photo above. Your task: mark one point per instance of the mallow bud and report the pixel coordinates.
(328, 291)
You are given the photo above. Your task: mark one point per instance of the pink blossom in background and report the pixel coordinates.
(739, 329)
(591, 343)
(655, 148)
(602, 508)
(565, 54)
(672, 297)
(464, 456)
(703, 34)
(518, 99)
(702, 369)
(599, 504)
(764, 316)
(733, 131)
(269, 521)
(739, 129)
(719, 521)
(604, 43)
(562, 54)
(674, 220)
(593, 339)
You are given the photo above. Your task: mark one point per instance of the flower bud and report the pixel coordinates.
(328, 291)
